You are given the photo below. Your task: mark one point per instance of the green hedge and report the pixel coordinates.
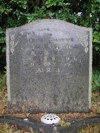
(84, 13)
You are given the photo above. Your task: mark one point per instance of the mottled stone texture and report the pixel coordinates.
(49, 67)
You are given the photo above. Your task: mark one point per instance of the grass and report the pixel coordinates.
(91, 129)
(5, 128)
(2, 80)
(96, 81)
(96, 102)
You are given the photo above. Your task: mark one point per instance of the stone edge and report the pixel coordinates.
(8, 64)
(90, 67)
(38, 21)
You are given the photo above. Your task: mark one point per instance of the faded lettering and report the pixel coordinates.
(39, 70)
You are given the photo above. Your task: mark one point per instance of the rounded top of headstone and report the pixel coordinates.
(51, 23)
(50, 119)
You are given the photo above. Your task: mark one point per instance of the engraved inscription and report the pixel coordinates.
(50, 58)
(39, 70)
(47, 70)
(84, 41)
(46, 55)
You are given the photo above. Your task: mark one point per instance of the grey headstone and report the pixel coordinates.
(49, 66)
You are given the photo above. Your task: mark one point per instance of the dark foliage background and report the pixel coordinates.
(81, 12)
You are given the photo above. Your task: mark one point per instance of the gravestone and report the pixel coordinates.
(49, 67)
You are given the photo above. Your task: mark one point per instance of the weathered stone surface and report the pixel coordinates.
(49, 67)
